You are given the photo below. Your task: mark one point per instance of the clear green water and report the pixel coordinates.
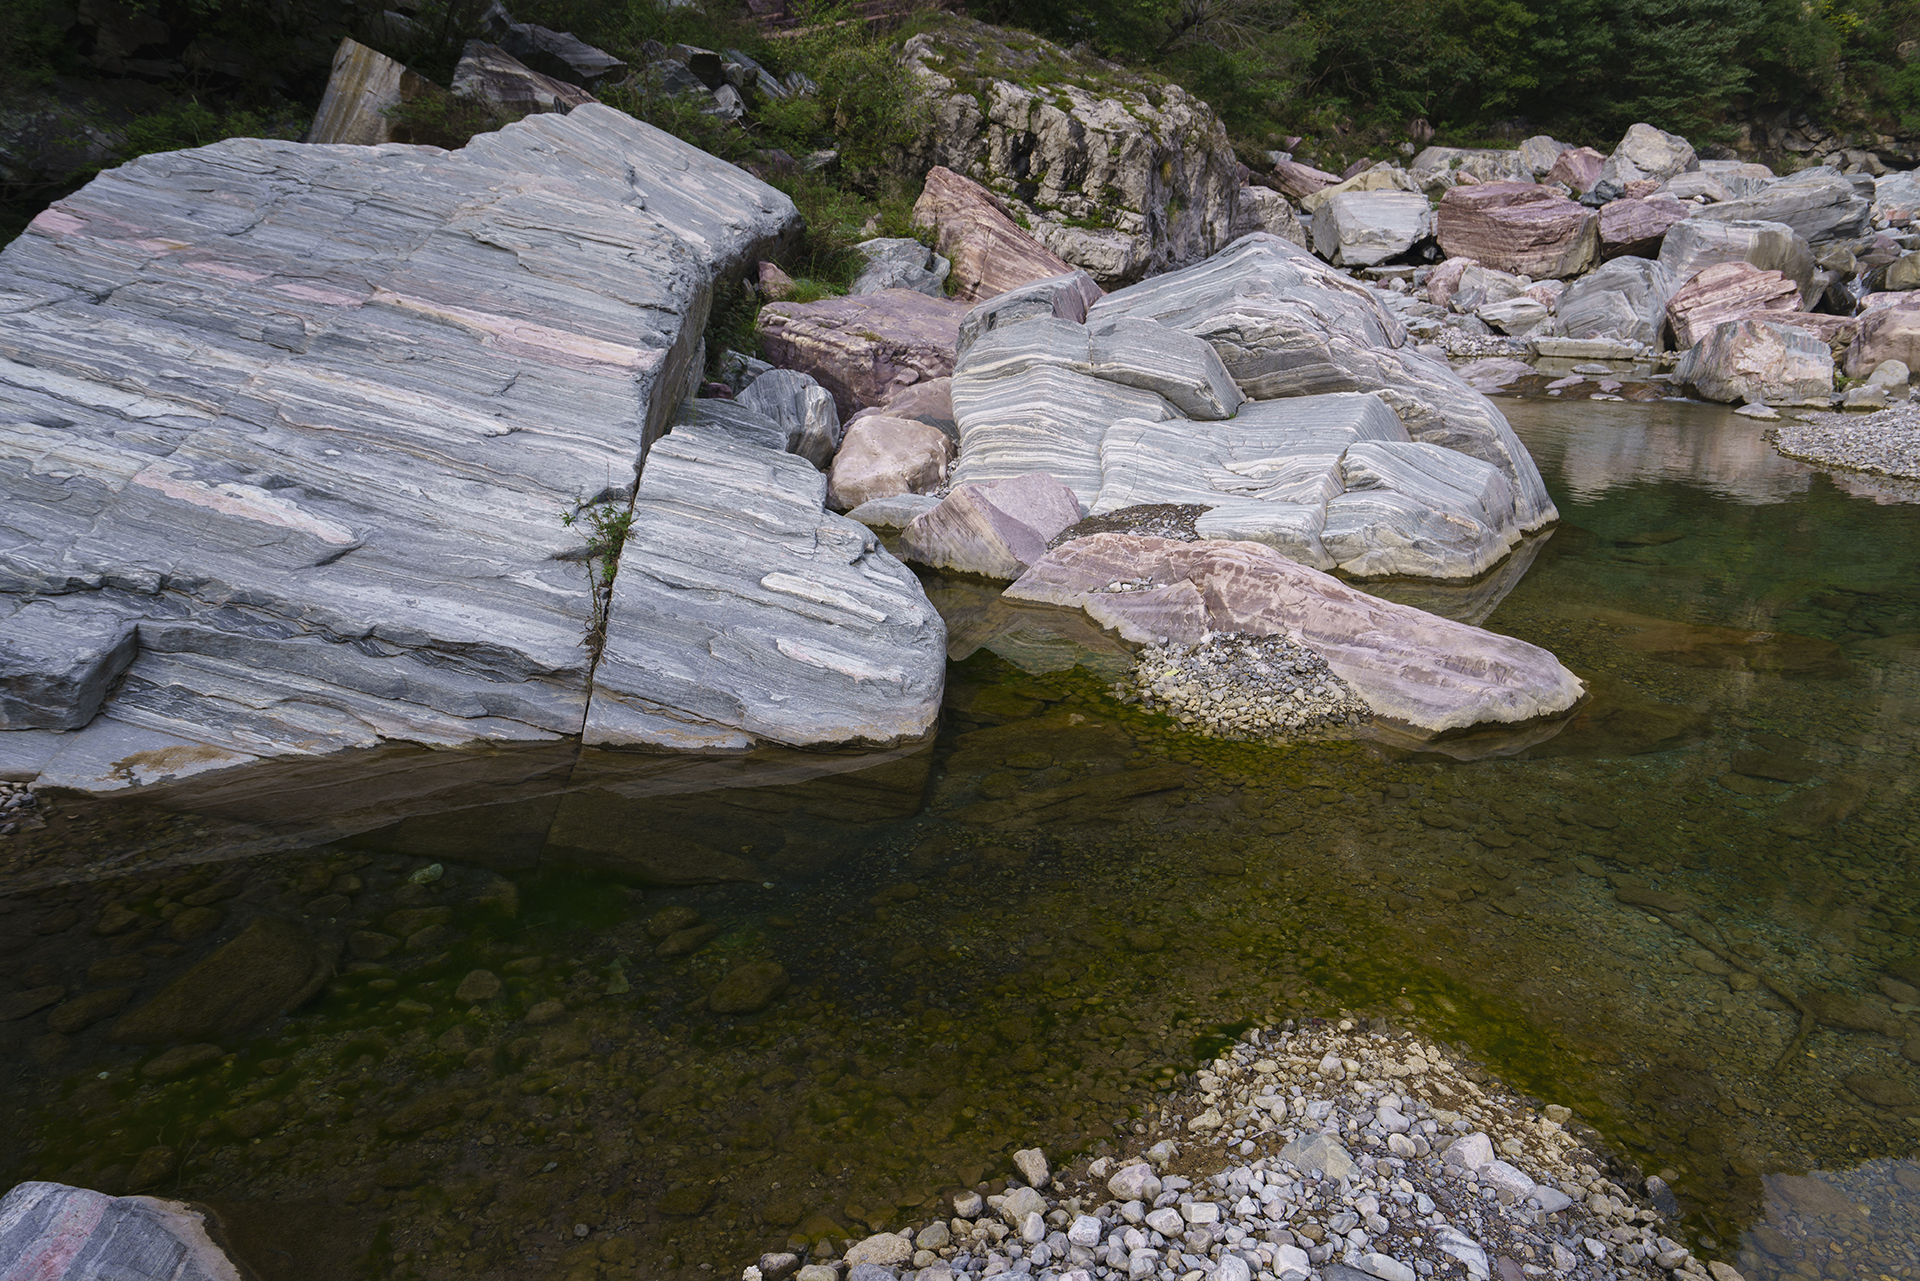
(1024, 933)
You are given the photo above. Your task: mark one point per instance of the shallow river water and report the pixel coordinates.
(1690, 915)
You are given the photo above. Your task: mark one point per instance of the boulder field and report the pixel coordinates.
(316, 447)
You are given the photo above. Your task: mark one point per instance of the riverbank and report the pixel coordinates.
(1335, 1150)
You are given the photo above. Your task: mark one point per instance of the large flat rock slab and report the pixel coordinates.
(302, 420)
(1415, 670)
(745, 614)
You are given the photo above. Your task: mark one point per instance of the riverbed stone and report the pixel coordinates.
(749, 989)
(992, 528)
(487, 73)
(1286, 324)
(989, 253)
(180, 1061)
(1626, 299)
(1320, 1153)
(1362, 228)
(1645, 154)
(1885, 334)
(1693, 246)
(1820, 204)
(1638, 227)
(900, 263)
(1331, 481)
(1415, 670)
(1726, 291)
(882, 456)
(270, 967)
(864, 348)
(800, 408)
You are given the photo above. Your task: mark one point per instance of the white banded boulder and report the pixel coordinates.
(1822, 205)
(745, 614)
(1645, 154)
(1361, 229)
(1692, 246)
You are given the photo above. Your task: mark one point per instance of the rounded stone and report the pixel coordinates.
(748, 989)
(479, 985)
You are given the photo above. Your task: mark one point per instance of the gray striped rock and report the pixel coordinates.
(53, 1232)
(1626, 299)
(1823, 205)
(731, 421)
(1148, 355)
(1331, 481)
(1416, 671)
(802, 408)
(1066, 297)
(1362, 228)
(305, 418)
(1286, 324)
(746, 614)
(1696, 244)
(1757, 361)
(1041, 417)
(1644, 154)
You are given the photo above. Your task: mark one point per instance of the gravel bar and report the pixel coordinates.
(1886, 443)
(1317, 1152)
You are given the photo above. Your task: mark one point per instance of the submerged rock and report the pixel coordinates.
(270, 967)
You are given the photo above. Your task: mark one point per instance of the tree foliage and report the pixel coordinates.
(1582, 68)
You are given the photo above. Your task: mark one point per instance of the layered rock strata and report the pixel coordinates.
(1143, 405)
(286, 432)
(745, 614)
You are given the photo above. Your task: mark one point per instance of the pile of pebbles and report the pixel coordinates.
(1309, 1153)
(1886, 443)
(17, 808)
(1250, 688)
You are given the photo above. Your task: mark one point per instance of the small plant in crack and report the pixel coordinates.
(606, 526)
